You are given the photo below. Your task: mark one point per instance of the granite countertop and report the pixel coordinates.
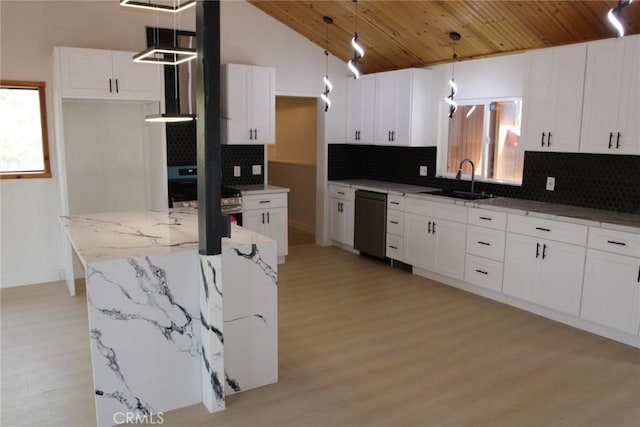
(254, 189)
(115, 235)
(575, 214)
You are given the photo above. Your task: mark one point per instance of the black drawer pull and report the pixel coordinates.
(613, 242)
(429, 228)
(542, 229)
(394, 222)
(395, 203)
(341, 192)
(482, 272)
(484, 243)
(265, 201)
(393, 247)
(486, 218)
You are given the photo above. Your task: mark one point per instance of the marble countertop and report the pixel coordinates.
(575, 214)
(114, 235)
(255, 189)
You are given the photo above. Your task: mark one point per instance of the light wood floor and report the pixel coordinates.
(300, 237)
(361, 344)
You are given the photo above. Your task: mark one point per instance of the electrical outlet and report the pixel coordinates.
(236, 171)
(423, 171)
(256, 169)
(551, 183)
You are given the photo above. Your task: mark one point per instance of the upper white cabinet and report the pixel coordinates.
(612, 97)
(106, 74)
(552, 102)
(360, 109)
(248, 104)
(402, 107)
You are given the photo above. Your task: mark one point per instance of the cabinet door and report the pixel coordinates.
(360, 109)
(450, 238)
(560, 283)
(386, 107)
(403, 112)
(237, 86)
(253, 220)
(86, 73)
(262, 102)
(348, 218)
(611, 294)
(276, 228)
(602, 96)
(521, 267)
(419, 243)
(629, 110)
(538, 100)
(137, 81)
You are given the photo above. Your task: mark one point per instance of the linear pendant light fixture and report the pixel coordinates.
(328, 87)
(614, 16)
(358, 51)
(175, 8)
(453, 105)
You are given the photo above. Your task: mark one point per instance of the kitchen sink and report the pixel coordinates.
(457, 194)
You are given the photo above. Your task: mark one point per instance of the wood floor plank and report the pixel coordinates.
(360, 344)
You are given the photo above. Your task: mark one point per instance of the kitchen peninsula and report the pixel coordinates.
(162, 335)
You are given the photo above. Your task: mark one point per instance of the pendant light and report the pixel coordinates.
(453, 106)
(358, 51)
(614, 16)
(328, 87)
(175, 8)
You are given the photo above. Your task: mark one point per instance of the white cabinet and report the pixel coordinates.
(432, 242)
(248, 104)
(485, 248)
(544, 271)
(342, 214)
(612, 97)
(106, 74)
(360, 109)
(611, 295)
(552, 102)
(402, 107)
(395, 227)
(267, 214)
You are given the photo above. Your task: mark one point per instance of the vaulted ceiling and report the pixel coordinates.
(400, 34)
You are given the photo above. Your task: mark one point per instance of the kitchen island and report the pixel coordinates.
(162, 335)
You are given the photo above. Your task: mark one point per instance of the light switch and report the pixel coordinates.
(236, 171)
(256, 169)
(551, 183)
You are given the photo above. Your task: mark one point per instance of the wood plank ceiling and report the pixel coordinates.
(401, 34)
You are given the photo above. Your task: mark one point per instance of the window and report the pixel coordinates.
(488, 133)
(24, 149)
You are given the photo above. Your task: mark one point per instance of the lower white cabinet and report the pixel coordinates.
(395, 227)
(267, 214)
(343, 209)
(544, 272)
(435, 244)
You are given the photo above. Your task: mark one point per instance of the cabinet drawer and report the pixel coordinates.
(395, 247)
(618, 242)
(548, 229)
(446, 211)
(485, 242)
(266, 201)
(342, 193)
(483, 272)
(395, 222)
(489, 219)
(395, 202)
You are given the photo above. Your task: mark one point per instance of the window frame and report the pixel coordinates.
(443, 139)
(41, 87)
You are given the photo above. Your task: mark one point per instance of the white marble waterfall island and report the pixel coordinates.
(170, 328)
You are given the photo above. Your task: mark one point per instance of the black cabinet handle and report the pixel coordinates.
(486, 218)
(537, 250)
(339, 206)
(268, 218)
(542, 229)
(251, 134)
(544, 251)
(484, 243)
(549, 140)
(118, 90)
(263, 217)
(340, 192)
(255, 134)
(434, 227)
(389, 136)
(617, 140)
(110, 90)
(638, 274)
(395, 203)
(610, 139)
(429, 228)
(542, 140)
(393, 136)
(393, 247)
(265, 201)
(613, 242)
(482, 272)
(394, 222)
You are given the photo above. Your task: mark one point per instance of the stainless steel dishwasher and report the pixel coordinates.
(370, 223)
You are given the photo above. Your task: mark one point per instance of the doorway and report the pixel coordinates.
(292, 163)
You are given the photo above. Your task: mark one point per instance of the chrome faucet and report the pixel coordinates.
(473, 171)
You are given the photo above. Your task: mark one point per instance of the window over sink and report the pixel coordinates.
(488, 133)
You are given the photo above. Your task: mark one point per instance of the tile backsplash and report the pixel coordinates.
(598, 181)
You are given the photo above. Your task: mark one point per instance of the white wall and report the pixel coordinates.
(30, 236)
